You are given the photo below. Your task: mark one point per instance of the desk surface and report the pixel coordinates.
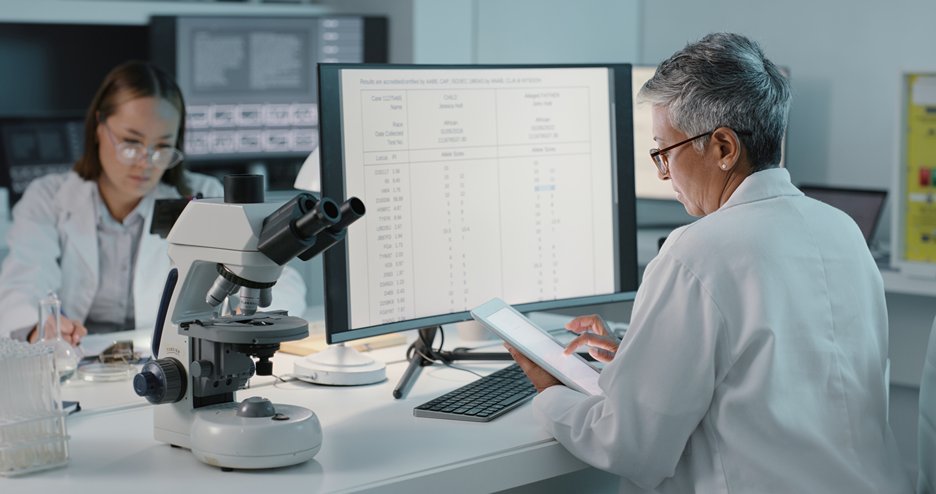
(898, 282)
(371, 442)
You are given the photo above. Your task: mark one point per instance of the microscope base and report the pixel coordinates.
(339, 365)
(221, 438)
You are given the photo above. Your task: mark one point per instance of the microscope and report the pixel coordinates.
(202, 357)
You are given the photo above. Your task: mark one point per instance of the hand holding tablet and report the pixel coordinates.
(536, 344)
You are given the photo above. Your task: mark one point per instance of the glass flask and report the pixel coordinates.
(50, 325)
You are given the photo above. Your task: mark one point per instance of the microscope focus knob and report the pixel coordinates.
(161, 381)
(256, 406)
(201, 368)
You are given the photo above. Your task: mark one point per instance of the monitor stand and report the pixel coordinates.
(421, 354)
(340, 365)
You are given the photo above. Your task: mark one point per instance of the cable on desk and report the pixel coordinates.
(433, 358)
(453, 366)
(428, 344)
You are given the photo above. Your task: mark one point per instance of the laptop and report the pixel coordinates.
(863, 205)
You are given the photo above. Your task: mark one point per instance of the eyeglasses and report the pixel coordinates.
(659, 155)
(129, 153)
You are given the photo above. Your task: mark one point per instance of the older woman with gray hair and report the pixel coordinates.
(757, 345)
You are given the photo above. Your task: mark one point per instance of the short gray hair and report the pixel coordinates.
(724, 80)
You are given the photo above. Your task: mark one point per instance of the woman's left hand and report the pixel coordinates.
(537, 375)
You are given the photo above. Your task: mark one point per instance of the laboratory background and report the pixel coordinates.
(850, 65)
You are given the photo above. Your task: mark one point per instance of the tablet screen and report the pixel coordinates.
(532, 341)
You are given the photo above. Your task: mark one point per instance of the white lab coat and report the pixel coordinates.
(926, 424)
(53, 246)
(754, 361)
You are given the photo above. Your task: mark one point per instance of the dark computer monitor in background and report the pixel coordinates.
(479, 181)
(54, 69)
(33, 147)
(49, 74)
(250, 82)
(863, 205)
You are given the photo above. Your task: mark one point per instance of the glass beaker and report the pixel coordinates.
(50, 325)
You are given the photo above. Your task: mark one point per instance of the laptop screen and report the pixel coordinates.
(863, 205)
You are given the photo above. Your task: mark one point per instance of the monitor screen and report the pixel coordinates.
(55, 69)
(33, 147)
(863, 205)
(250, 82)
(479, 181)
(648, 185)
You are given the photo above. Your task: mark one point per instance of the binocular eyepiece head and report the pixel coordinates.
(306, 226)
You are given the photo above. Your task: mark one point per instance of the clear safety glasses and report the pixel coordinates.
(130, 153)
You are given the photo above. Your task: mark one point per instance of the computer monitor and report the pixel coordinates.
(53, 69)
(646, 182)
(479, 181)
(250, 82)
(648, 185)
(863, 205)
(33, 147)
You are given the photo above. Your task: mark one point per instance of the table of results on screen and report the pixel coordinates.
(484, 183)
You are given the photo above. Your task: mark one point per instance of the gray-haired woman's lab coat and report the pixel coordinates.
(754, 361)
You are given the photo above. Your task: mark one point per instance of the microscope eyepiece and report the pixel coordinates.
(293, 227)
(351, 210)
(325, 214)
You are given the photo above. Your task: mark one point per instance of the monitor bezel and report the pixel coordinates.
(331, 152)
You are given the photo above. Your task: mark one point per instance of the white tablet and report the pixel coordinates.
(537, 345)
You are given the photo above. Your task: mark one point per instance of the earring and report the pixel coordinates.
(724, 166)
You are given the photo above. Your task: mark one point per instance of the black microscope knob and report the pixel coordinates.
(264, 367)
(161, 381)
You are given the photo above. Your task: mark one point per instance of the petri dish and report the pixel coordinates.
(99, 372)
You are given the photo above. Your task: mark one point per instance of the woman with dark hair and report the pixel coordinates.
(86, 235)
(142, 85)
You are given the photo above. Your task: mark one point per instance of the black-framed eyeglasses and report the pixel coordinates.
(128, 153)
(659, 155)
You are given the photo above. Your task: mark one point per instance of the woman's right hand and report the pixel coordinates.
(72, 331)
(593, 332)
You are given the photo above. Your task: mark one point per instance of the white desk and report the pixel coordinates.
(897, 282)
(371, 443)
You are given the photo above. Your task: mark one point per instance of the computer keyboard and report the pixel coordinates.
(483, 400)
